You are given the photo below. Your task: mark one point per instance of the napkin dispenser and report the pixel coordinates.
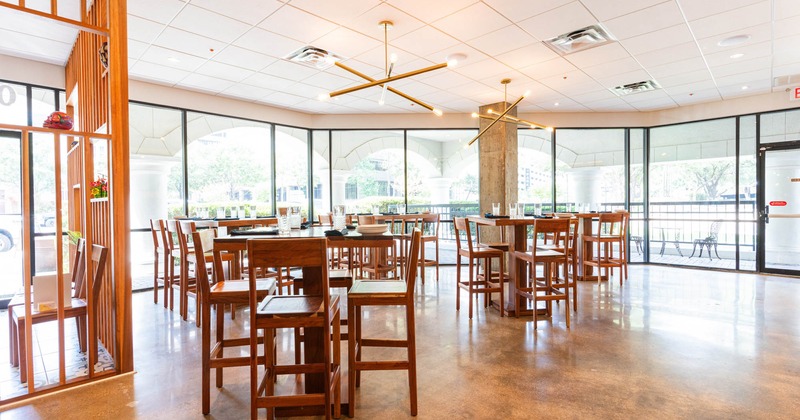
(45, 291)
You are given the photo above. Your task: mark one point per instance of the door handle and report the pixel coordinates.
(765, 214)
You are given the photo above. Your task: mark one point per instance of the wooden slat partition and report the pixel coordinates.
(101, 227)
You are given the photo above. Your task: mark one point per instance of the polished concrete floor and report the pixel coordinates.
(670, 343)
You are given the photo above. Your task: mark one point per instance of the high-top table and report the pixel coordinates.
(312, 285)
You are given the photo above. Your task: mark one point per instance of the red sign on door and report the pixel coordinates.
(796, 93)
(777, 203)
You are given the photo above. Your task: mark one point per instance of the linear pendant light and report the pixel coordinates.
(384, 83)
(502, 116)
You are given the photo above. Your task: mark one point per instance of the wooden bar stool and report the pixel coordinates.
(383, 293)
(486, 283)
(222, 292)
(160, 259)
(310, 311)
(430, 234)
(609, 233)
(553, 256)
(176, 281)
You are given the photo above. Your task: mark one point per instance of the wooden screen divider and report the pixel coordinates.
(102, 236)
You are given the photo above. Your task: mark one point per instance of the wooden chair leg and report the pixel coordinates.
(412, 358)
(353, 322)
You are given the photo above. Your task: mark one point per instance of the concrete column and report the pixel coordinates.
(439, 189)
(498, 165)
(337, 189)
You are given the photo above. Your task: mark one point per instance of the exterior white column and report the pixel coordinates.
(439, 189)
(338, 186)
(584, 185)
(148, 190)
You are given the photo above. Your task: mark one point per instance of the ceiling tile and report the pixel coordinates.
(241, 57)
(698, 9)
(472, 22)
(161, 11)
(610, 104)
(143, 30)
(620, 79)
(482, 69)
(248, 11)
(516, 10)
(178, 40)
(268, 81)
(787, 27)
(786, 8)
(502, 41)
(651, 96)
(615, 67)
(424, 41)
(430, 11)
(473, 55)
(657, 40)
(527, 56)
(136, 49)
(209, 24)
(691, 88)
(444, 79)
(297, 24)
(758, 34)
(282, 98)
(754, 87)
(564, 19)
(678, 67)
(171, 58)
(205, 83)
(33, 47)
(786, 70)
(733, 20)
(750, 52)
(740, 79)
(155, 72)
(574, 81)
(368, 23)
(266, 42)
(645, 21)
(224, 71)
(678, 52)
(598, 95)
(289, 70)
(598, 55)
(679, 79)
(342, 11)
(558, 66)
(700, 96)
(609, 9)
(246, 91)
(326, 80)
(346, 43)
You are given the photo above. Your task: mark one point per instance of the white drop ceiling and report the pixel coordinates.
(234, 49)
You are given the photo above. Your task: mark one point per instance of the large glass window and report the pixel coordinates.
(321, 172)
(368, 169)
(228, 166)
(291, 167)
(692, 193)
(589, 166)
(535, 185)
(13, 104)
(747, 193)
(442, 174)
(10, 214)
(636, 195)
(780, 126)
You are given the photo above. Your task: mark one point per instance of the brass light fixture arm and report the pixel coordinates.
(503, 114)
(391, 89)
(387, 80)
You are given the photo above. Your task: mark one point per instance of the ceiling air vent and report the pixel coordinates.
(582, 39)
(792, 79)
(313, 57)
(637, 87)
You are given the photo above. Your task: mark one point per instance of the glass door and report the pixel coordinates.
(10, 216)
(780, 208)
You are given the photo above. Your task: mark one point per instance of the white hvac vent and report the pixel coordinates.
(790, 80)
(313, 57)
(637, 87)
(582, 39)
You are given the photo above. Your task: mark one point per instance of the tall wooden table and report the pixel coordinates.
(519, 227)
(312, 285)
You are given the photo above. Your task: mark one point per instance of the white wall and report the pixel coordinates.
(33, 72)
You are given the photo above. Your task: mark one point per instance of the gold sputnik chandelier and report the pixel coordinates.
(389, 61)
(503, 116)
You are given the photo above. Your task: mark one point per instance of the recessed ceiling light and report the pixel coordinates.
(734, 40)
(555, 104)
(745, 87)
(173, 60)
(737, 55)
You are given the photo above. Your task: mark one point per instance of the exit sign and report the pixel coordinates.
(795, 93)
